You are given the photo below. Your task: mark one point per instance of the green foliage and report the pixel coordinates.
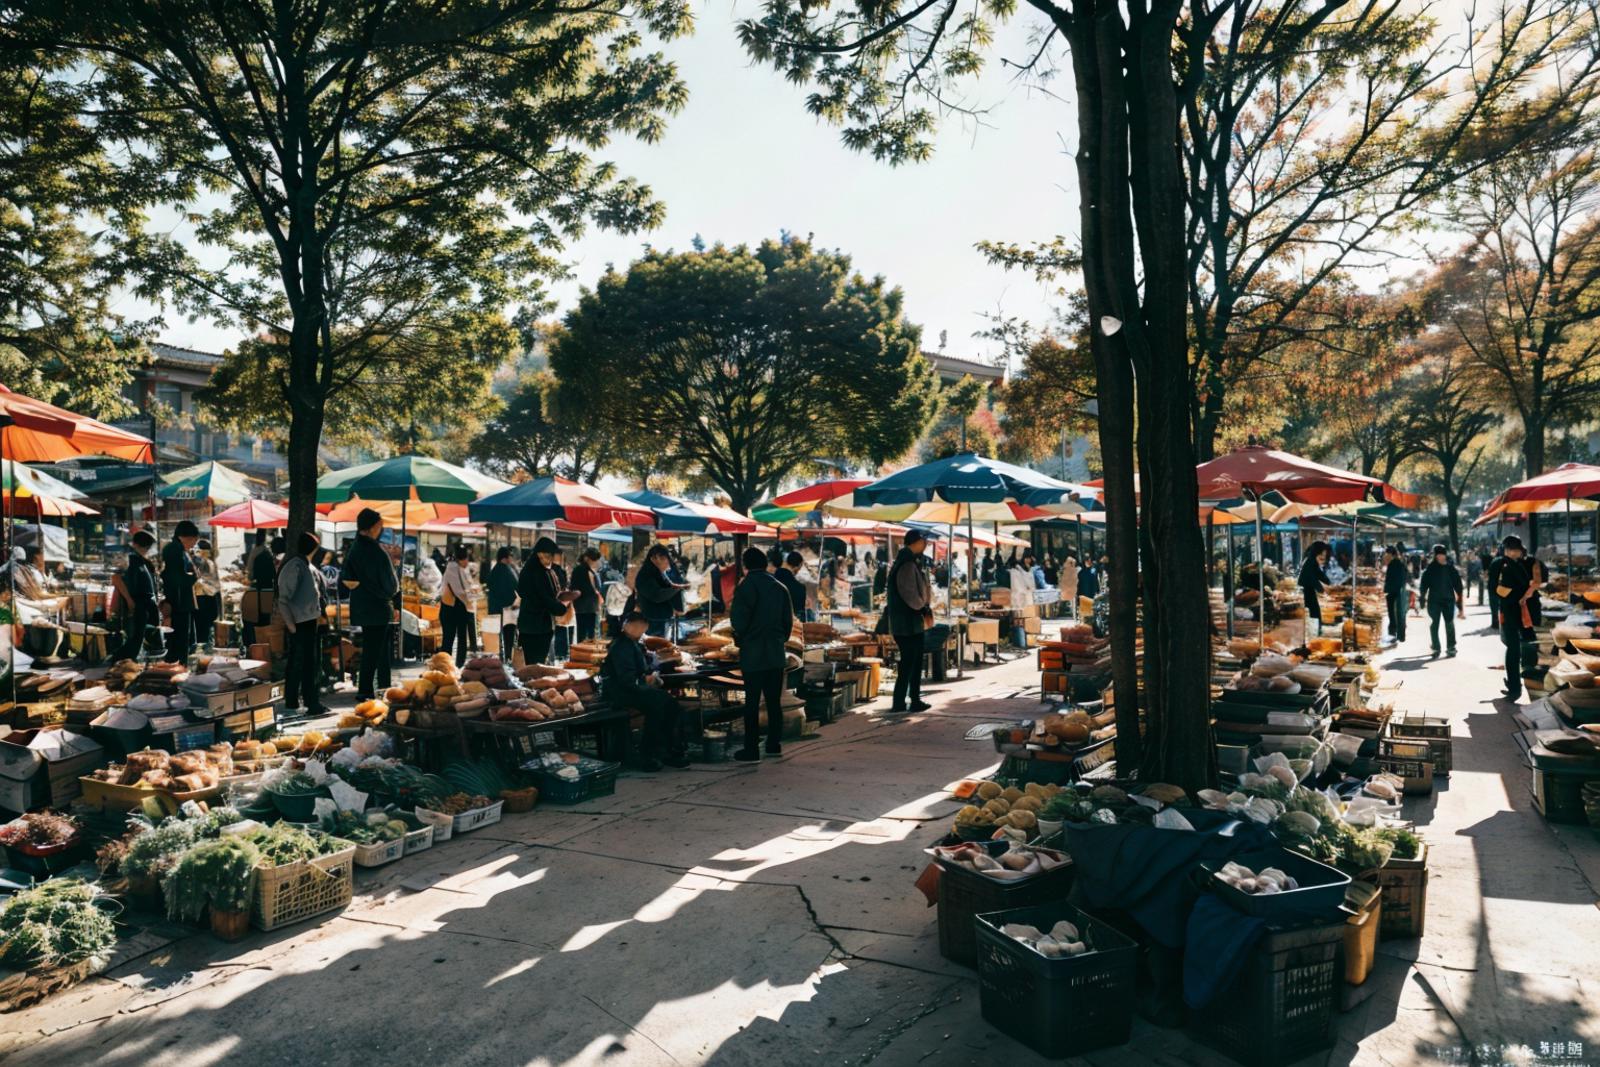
(281, 844)
(218, 874)
(156, 850)
(748, 363)
(54, 923)
(536, 435)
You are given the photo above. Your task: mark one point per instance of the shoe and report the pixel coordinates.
(774, 750)
(676, 760)
(921, 705)
(1435, 654)
(747, 755)
(895, 711)
(317, 713)
(1451, 653)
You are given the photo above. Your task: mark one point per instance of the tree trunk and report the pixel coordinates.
(1115, 419)
(1533, 446)
(1206, 428)
(307, 407)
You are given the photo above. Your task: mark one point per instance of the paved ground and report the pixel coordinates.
(730, 915)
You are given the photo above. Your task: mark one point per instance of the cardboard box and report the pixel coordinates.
(225, 634)
(257, 695)
(42, 767)
(273, 637)
(984, 631)
(490, 642)
(1000, 595)
(1054, 682)
(261, 652)
(256, 605)
(1033, 624)
(210, 704)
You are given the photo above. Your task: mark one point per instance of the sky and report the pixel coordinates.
(744, 161)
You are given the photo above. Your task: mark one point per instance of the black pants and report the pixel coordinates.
(1494, 609)
(181, 641)
(1313, 610)
(562, 643)
(661, 719)
(376, 642)
(536, 647)
(456, 625)
(757, 684)
(208, 609)
(134, 625)
(302, 675)
(508, 637)
(656, 627)
(1434, 615)
(587, 624)
(1398, 602)
(908, 670)
(1511, 638)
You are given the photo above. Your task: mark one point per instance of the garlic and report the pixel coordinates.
(1064, 931)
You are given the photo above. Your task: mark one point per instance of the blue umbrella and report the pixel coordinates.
(927, 492)
(549, 499)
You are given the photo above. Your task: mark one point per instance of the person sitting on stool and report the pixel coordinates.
(626, 680)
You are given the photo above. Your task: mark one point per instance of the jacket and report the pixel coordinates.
(909, 593)
(372, 603)
(586, 582)
(140, 580)
(656, 596)
(177, 577)
(1515, 575)
(299, 593)
(263, 573)
(1440, 584)
(502, 587)
(1313, 579)
(625, 668)
(1088, 582)
(763, 617)
(540, 590)
(797, 592)
(1396, 577)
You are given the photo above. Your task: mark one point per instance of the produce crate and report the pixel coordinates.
(420, 839)
(1428, 726)
(109, 796)
(296, 891)
(964, 894)
(442, 825)
(1281, 1007)
(1321, 891)
(380, 852)
(1558, 793)
(463, 822)
(596, 778)
(43, 862)
(1417, 773)
(1058, 1007)
(186, 738)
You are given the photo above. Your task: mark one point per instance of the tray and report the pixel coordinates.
(1321, 891)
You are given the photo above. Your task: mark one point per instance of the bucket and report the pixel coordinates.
(714, 747)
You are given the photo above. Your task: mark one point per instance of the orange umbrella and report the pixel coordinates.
(32, 431)
(416, 512)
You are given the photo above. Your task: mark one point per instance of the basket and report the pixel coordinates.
(965, 894)
(1281, 1006)
(595, 779)
(475, 819)
(441, 824)
(380, 852)
(1058, 1007)
(420, 839)
(1361, 941)
(520, 801)
(296, 891)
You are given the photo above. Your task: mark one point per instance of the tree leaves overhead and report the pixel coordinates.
(748, 364)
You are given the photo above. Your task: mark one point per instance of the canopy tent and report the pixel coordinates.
(673, 515)
(251, 514)
(209, 481)
(32, 431)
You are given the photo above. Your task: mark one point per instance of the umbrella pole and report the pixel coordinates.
(401, 629)
(10, 467)
(1227, 575)
(1261, 573)
(1355, 520)
(338, 597)
(972, 574)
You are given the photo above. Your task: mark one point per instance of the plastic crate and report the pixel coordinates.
(442, 825)
(1558, 793)
(420, 839)
(1424, 726)
(380, 852)
(187, 738)
(295, 891)
(1282, 1005)
(964, 894)
(1057, 1007)
(1321, 889)
(596, 778)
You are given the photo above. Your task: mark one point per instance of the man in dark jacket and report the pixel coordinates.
(910, 610)
(785, 574)
(543, 601)
(762, 615)
(1443, 597)
(586, 583)
(1088, 580)
(1491, 567)
(502, 594)
(374, 594)
(1513, 582)
(658, 593)
(177, 585)
(1396, 592)
(143, 607)
(627, 681)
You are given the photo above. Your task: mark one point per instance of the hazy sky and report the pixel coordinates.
(744, 160)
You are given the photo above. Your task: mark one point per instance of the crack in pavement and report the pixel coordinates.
(937, 1003)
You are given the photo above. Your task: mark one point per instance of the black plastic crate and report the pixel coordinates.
(965, 894)
(1282, 1005)
(1057, 1007)
(596, 778)
(1320, 894)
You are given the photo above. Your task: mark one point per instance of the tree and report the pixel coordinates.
(1523, 299)
(535, 437)
(376, 161)
(748, 364)
(964, 424)
(1452, 419)
(1054, 391)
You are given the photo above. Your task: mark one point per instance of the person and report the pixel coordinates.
(544, 600)
(503, 596)
(1489, 572)
(373, 592)
(561, 646)
(762, 614)
(1396, 592)
(439, 559)
(627, 681)
(1052, 573)
(298, 604)
(27, 571)
(258, 565)
(1031, 565)
(1511, 580)
(279, 548)
(1443, 597)
(207, 594)
(1020, 582)
(586, 583)
(1088, 580)
(787, 575)
(177, 585)
(910, 610)
(139, 588)
(986, 567)
(458, 607)
(1069, 584)
(330, 569)
(658, 593)
(1314, 579)
(1484, 557)
(430, 578)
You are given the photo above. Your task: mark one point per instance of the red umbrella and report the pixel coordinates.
(252, 515)
(1579, 481)
(820, 493)
(1256, 470)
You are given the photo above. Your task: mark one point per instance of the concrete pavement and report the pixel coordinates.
(730, 915)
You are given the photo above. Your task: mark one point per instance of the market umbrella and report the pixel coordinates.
(32, 431)
(1566, 483)
(41, 493)
(252, 514)
(391, 511)
(209, 481)
(422, 479)
(673, 515)
(549, 499)
(788, 507)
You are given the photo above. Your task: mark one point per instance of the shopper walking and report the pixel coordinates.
(458, 605)
(1512, 581)
(503, 597)
(627, 681)
(177, 584)
(1396, 592)
(1443, 597)
(139, 587)
(374, 594)
(1314, 579)
(299, 606)
(586, 583)
(762, 614)
(544, 600)
(910, 610)
(207, 594)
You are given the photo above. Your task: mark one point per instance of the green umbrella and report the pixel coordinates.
(410, 478)
(209, 481)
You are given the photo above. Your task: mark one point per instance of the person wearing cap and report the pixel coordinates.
(177, 585)
(207, 594)
(1396, 592)
(139, 588)
(299, 605)
(658, 593)
(1443, 597)
(762, 615)
(1514, 579)
(374, 592)
(628, 680)
(910, 610)
(543, 601)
